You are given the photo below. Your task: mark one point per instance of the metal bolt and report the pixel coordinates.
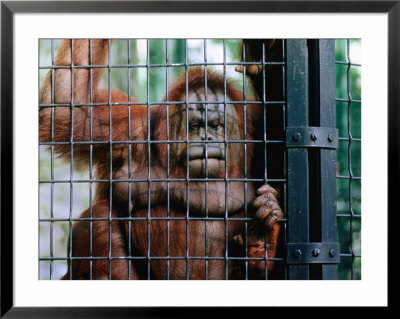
(313, 137)
(332, 252)
(316, 252)
(297, 253)
(296, 137)
(331, 137)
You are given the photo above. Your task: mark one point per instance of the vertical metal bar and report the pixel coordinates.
(351, 175)
(91, 162)
(110, 167)
(206, 155)
(71, 168)
(284, 123)
(314, 155)
(168, 154)
(129, 164)
(264, 105)
(226, 173)
(148, 163)
(297, 158)
(187, 158)
(245, 163)
(328, 156)
(39, 202)
(52, 161)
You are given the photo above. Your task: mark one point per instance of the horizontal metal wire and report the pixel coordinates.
(350, 255)
(348, 63)
(157, 65)
(97, 219)
(347, 100)
(352, 139)
(161, 142)
(348, 177)
(161, 258)
(349, 215)
(77, 105)
(131, 180)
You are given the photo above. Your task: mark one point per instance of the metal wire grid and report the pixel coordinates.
(351, 218)
(73, 181)
(349, 171)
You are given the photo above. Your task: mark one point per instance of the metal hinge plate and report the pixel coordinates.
(310, 136)
(313, 253)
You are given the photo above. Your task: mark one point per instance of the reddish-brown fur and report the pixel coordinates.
(130, 161)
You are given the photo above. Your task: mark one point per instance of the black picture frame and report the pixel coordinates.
(9, 8)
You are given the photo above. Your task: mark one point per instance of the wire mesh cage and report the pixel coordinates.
(348, 102)
(167, 159)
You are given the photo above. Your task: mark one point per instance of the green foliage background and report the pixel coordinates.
(348, 121)
(53, 236)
